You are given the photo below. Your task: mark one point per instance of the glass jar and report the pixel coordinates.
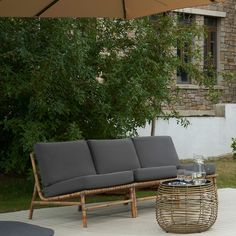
(199, 175)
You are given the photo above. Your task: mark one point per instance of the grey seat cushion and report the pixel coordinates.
(60, 161)
(89, 182)
(113, 155)
(155, 173)
(15, 228)
(209, 168)
(156, 151)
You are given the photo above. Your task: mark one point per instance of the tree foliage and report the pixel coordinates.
(66, 79)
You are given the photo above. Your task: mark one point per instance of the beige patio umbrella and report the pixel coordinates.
(125, 9)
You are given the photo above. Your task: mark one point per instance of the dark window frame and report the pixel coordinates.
(182, 75)
(210, 43)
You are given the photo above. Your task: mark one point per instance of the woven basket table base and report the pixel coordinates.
(186, 209)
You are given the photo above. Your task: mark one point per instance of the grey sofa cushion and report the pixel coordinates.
(89, 182)
(155, 173)
(209, 168)
(63, 160)
(156, 151)
(15, 228)
(113, 155)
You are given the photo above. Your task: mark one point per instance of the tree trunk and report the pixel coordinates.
(153, 126)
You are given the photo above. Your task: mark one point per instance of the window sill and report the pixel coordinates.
(188, 86)
(195, 87)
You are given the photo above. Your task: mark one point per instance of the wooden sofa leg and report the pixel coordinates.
(134, 202)
(32, 203)
(83, 209)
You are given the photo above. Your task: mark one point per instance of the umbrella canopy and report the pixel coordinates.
(125, 9)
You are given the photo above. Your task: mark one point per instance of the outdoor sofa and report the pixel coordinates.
(66, 171)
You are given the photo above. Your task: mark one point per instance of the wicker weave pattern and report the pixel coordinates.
(186, 209)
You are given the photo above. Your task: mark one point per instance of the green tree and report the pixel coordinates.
(65, 79)
(45, 79)
(139, 61)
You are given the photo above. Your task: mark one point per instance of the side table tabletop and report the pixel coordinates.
(186, 208)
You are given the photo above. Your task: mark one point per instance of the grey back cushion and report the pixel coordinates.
(156, 151)
(60, 161)
(113, 155)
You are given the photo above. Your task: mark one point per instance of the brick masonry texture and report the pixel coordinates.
(194, 99)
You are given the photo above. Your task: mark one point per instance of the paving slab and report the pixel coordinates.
(117, 221)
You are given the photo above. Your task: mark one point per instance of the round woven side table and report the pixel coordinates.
(186, 208)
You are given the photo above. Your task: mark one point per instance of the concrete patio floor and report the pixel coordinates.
(66, 221)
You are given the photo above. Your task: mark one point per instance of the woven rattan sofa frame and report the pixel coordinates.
(65, 200)
(152, 185)
(129, 192)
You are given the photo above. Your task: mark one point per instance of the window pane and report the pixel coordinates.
(185, 18)
(210, 21)
(210, 43)
(182, 75)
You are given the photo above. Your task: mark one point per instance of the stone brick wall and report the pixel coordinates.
(193, 98)
(228, 49)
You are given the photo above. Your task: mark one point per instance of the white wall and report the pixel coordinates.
(208, 136)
